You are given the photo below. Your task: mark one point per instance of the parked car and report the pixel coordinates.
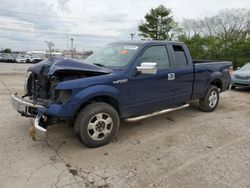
(241, 77)
(28, 59)
(20, 59)
(36, 59)
(123, 80)
(2, 57)
(9, 58)
(33, 59)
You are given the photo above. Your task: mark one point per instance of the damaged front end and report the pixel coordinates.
(41, 99)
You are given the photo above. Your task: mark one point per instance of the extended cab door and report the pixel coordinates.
(152, 92)
(184, 72)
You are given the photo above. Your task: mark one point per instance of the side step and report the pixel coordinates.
(156, 113)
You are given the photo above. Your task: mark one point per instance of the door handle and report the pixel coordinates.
(171, 76)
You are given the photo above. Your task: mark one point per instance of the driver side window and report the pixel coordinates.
(156, 54)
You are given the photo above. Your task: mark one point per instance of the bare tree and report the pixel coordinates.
(192, 27)
(228, 24)
(208, 24)
(51, 46)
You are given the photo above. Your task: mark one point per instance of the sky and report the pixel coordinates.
(27, 24)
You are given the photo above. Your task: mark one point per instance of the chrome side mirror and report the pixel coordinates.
(147, 68)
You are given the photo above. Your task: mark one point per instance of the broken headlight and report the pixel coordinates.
(26, 82)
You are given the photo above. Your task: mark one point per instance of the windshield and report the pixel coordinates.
(113, 55)
(246, 67)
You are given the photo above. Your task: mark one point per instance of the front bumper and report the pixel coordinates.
(28, 109)
(240, 83)
(24, 107)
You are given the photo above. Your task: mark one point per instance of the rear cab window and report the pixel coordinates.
(179, 56)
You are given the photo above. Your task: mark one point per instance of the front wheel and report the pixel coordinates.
(97, 124)
(211, 99)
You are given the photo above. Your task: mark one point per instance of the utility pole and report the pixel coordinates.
(132, 36)
(67, 39)
(72, 40)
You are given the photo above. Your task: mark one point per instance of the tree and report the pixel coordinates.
(230, 24)
(7, 50)
(224, 36)
(51, 46)
(158, 24)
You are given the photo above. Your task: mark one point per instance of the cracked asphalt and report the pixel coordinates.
(186, 148)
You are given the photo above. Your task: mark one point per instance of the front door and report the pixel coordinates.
(150, 93)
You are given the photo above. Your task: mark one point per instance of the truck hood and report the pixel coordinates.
(52, 65)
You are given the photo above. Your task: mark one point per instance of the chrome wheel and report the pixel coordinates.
(213, 98)
(100, 126)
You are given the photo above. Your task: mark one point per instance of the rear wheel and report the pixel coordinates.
(97, 124)
(211, 99)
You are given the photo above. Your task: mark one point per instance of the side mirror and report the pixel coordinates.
(147, 68)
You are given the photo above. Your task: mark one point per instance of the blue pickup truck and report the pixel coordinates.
(123, 80)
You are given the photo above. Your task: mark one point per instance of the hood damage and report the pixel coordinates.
(45, 75)
(58, 64)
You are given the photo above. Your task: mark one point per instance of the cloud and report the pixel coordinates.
(63, 5)
(90, 23)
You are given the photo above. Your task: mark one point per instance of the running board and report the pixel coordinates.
(156, 113)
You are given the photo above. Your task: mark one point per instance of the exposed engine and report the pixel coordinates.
(40, 87)
(42, 78)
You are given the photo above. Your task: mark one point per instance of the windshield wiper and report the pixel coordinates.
(98, 64)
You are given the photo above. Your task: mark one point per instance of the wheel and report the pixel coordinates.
(233, 87)
(97, 124)
(211, 99)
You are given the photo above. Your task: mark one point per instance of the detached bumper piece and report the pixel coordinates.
(26, 108)
(40, 123)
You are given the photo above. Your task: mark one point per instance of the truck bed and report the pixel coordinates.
(205, 70)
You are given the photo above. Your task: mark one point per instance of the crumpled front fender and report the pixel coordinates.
(69, 109)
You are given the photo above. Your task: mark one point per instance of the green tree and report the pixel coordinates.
(158, 24)
(202, 47)
(224, 36)
(7, 50)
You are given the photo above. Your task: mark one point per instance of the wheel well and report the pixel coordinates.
(216, 83)
(107, 99)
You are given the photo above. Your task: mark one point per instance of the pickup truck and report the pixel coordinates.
(123, 80)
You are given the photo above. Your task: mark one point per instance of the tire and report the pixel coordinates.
(97, 124)
(233, 87)
(211, 99)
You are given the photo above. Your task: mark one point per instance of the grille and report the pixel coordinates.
(38, 87)
(242, 77)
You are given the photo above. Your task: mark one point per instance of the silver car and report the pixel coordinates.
(241, 77)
